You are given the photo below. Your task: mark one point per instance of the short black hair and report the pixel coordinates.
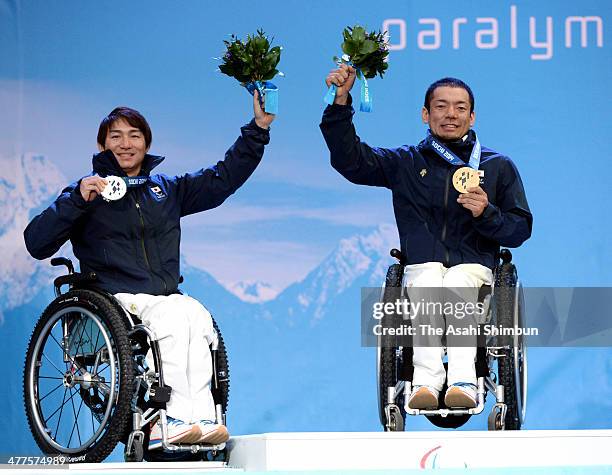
(132, 117)
(450, 82)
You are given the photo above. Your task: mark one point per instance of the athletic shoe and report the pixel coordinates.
(461, 395)
(178, 433)
(423, 397)
(212, 433)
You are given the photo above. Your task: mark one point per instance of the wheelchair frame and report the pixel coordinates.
(146, 392)
(394, 375)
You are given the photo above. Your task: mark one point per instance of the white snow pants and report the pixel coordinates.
(427, 360)
(185, 330)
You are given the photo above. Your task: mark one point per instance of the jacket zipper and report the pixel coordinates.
(443, 235)
(142, 241)
(144, 249)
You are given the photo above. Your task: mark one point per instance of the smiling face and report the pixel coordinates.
(127, 144)
(449, 115)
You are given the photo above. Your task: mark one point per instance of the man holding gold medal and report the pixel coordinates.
(455, 204)
(124, 225)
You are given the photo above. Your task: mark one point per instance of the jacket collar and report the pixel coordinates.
(105, 164)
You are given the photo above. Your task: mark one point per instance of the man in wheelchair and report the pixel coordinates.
(124, 226)
(455, 203)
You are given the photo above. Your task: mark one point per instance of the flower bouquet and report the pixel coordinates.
(367, 53)
(253, 63)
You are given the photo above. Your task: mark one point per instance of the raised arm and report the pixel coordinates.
(208, 188)
(355, 160)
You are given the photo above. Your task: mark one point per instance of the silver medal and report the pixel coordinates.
(115, 190)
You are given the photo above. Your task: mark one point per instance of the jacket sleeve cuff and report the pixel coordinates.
(78, 200)
(490, 214)
(334, 112)
(252, 130)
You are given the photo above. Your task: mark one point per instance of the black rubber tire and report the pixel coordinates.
(388, 363)
(223, 374)
(388, 378)
(120, 415)
(506, 281)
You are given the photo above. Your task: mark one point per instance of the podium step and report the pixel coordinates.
(558, 452)
(418, 450)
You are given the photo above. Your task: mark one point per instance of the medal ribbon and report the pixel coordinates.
(133, 181)
(450, 157)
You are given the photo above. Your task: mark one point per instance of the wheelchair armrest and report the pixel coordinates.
(505, 255)
(73, 279)
(397, 254)
(63, 261)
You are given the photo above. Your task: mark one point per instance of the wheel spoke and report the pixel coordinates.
(59, 408)
(93, 427)
(51, 392)
(75, 420)
(55, 340)
(104, 388)
(80, 345)
(60, 417)
(50, 377)
(77, 423)
(52, 364)
(87, 334)
(72, 360)
(107, 365)
(97, 339)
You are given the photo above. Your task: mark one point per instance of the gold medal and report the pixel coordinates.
(464, 178)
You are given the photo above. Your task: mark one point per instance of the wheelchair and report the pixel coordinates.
(501, 361)
(88, 384)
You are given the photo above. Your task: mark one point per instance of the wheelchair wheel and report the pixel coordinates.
(512, 367)
(387, 358)
(221, 393)
(78, 377)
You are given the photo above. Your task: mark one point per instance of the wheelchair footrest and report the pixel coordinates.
(194, 447)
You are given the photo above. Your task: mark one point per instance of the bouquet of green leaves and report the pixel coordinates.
(367, 52)
(253, 63)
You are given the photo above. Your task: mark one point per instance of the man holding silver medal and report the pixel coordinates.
(124, 225)
(455, 204)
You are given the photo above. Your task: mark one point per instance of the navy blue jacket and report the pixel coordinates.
(132, 244)
(432, 226)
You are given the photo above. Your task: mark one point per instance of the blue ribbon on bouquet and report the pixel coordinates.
(366, 99)
(266, 90)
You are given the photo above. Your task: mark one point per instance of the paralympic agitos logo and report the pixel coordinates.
(486, 35)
